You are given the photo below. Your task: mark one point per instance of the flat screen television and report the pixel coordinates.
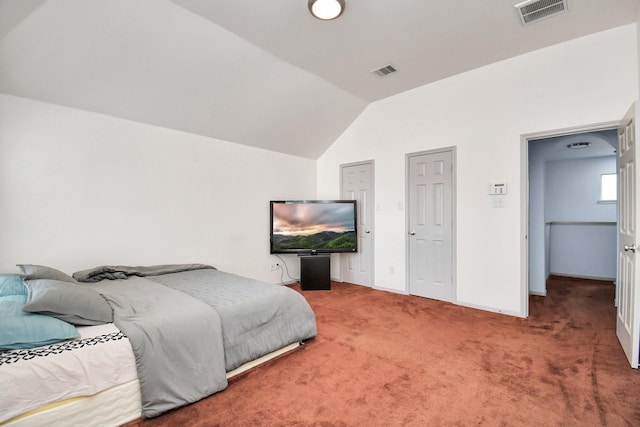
(313, 226)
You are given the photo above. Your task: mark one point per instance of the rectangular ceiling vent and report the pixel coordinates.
(534, 10)
(384, 71)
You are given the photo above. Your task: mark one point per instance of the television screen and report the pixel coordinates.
(313, 226)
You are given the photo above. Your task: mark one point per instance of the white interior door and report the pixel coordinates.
(430, 222)
(357, 184)
(628, 312)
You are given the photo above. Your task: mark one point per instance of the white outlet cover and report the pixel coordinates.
(497, 202)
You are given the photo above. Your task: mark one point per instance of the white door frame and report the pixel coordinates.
(454, 217)
(524, 197)
(373, 216)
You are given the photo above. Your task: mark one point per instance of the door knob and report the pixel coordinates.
(631, 248)
(367, 231)
(412, 232)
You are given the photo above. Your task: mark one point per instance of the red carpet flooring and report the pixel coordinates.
(382, 359)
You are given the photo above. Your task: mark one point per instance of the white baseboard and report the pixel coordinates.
(395, 291)
(578, 276)
(490, 309)
(538, 293)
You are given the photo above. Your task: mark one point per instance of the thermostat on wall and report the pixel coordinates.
(498, 188)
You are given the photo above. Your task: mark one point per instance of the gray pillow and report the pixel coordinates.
(72, 303)
(31, 271)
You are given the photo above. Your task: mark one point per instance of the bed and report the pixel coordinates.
(135, 341)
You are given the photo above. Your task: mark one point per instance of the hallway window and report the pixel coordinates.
(608, 188)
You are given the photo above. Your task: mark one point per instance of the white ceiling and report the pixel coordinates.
(601, 144)
(262, 73)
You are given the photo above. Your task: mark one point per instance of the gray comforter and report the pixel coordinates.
(176, 340)
(257, 317)
(188, 328)
(115, 272)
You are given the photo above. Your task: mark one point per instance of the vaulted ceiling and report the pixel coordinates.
(262, 73)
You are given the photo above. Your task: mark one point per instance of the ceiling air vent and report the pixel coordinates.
(534, 10)
(384, 71)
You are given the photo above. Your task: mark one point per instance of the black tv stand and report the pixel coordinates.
(315, 272)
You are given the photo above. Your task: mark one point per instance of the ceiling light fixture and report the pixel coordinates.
(326, 9)
(578, 145)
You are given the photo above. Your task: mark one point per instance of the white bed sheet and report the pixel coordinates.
(100, 359)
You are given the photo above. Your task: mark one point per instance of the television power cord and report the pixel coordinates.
(282, 271)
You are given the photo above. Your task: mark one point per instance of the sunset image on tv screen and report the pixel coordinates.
(313, 226)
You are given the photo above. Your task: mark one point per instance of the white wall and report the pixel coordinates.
(572, 190)
(483, 112)
(583, 250)
(581, 244)
(79, 189)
